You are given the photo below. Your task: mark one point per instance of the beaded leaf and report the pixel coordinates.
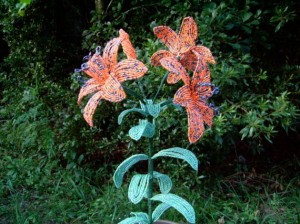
(179, 153)
(145, 128)
(138, 187)
(159, 210)
(164, 182)
(138, 218)
(125, 112)
(150, 108)
(181, 205)
(125, 166)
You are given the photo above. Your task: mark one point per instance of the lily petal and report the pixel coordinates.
(129, 69)
(89, 87)
(207, 113)
(183, 96)
(205, 54)
(157, 56)
(90, 108)
(110, 53)
(96, 68)
(127, 45)
(173, 78)
(168, 37)
(189, 60)
(187, 34)
(195, 123)
(112, 90)
(174, 66)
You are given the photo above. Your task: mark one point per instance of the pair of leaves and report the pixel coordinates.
(146, 109)
(176, 152)
(172, 200)
(138, 217)
(151, 109)
(145, 129)
(138, 187)
(167, 201)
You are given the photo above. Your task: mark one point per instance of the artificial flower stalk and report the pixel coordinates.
(150, 172)
(107, 77)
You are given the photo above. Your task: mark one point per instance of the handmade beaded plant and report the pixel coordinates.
(107, 76)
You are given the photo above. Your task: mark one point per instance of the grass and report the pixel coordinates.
(38, 190)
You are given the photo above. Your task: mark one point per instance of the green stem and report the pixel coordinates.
(133, 93)
(160, 86)
(141, 88)
(150, 172)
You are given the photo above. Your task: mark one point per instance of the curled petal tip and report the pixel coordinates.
(216, 90)
(98, 50)
(84, 66)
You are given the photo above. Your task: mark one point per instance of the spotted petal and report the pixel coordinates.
(183, 96)
(91, 106)
(207, 113)
(168, 37)
(187, 34)
(155, 59)
(112, 90)
(174, 66)
(127, 45)
(110, 53)
(189, 60)
(89, 87)
(195, 123)
(96, 68)
(205, 54)
(129, 69)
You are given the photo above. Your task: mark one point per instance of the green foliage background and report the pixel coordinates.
(44, 141)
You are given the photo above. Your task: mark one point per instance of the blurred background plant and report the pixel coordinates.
(54, 168)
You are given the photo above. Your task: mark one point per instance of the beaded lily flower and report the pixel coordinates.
(181, 49)
(107, 74)
(193, 96)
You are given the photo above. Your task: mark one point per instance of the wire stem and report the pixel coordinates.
(150, 173)
(133, 93)
(160, 86)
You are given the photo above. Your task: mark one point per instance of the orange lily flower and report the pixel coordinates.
(107, 74)
(193, 96)
(181, 47)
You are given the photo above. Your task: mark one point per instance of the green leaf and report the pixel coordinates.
(159, 210)
(179, 153)
(247, 16)
(176, 202)
(138, 187)
(139, 218)
(145, 128)
(164, 182)
(150, 108)
(125, 166)
(166, 103)
(125, 112)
